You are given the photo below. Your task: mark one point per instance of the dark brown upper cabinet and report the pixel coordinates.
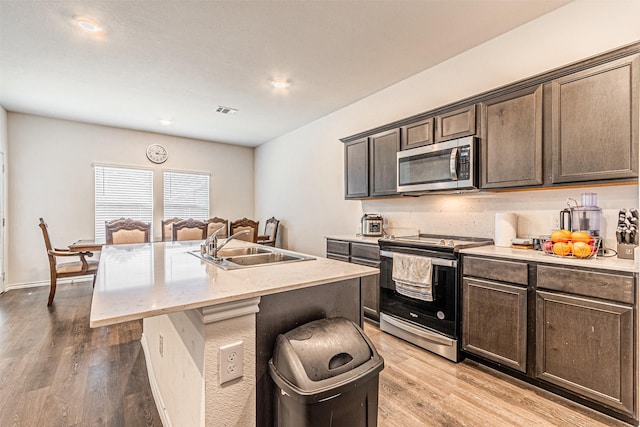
(595, 122)
(356, 165)
(371, 165)
(456, 124)
(417, 134)
(511, 140)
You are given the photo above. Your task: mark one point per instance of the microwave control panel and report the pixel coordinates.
(464, 163)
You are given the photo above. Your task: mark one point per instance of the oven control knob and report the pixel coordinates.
(450, 243)
(442, 242)
(440, 315)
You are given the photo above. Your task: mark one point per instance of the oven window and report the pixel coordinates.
(425, 168)
(439, 315)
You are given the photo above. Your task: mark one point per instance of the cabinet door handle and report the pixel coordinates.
(453, 164)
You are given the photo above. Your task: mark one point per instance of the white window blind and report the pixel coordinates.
(186, 195)
(122, 192)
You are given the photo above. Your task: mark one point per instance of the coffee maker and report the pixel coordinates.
(585, 217)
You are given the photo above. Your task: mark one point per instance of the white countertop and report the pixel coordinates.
(355, 238)
(607, 263)
(144, 280)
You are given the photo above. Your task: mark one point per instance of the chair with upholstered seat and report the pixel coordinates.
(81, 267)
(167, 228)
(245, 224)
(126, 230)
(189, 229)
(214, 224)
(270, 232)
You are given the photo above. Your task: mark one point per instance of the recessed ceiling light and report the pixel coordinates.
(280, 83)
(88, 24)
(166, 122)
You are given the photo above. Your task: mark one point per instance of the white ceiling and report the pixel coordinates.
(180, 59)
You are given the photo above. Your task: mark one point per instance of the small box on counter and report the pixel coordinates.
(626, 250)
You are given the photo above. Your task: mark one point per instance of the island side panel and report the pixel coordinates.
(281, 312)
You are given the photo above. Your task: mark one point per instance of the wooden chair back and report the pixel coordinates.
(127, 230)
(79, 267)
(221, 224)
(245, 224)
(167, 228)
(189, 229)
(270, 232)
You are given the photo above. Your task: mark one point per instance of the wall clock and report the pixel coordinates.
(157, 153)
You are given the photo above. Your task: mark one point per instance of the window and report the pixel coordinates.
(122, 192)
(186, 195)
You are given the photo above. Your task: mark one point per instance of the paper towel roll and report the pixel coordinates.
(506, 229)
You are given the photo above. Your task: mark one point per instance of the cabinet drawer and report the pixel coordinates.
(364, 251)
(614, 287)
(337, 247)
(505, 271)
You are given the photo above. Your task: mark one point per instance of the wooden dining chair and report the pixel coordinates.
(270, 232)
(215, 223)
(82, 267)
(189, 229)
(245, 224)
(127, 230)
(167, 228)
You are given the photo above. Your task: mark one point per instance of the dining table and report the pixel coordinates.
(86, 245)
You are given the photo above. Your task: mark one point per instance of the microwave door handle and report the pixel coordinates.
(453, 164)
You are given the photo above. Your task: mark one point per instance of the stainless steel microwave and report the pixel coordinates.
(449, 165)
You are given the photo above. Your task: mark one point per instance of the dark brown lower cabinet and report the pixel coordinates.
(495, 322)
(364, 254)
(586, 346)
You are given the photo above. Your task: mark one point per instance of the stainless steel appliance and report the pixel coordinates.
(432, 325)
(371, 225)
(582, 218)
(449, 165)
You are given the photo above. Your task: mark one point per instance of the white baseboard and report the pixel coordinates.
(41, 283)
(155, 390)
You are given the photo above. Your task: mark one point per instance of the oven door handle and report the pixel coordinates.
(434, 261)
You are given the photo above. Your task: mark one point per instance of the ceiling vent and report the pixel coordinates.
(226, 110)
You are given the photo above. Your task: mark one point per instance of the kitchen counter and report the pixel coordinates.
(191, 310)
(605, 263)
(356, 238)
(144, 280)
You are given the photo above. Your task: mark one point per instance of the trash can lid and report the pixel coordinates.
(319, 350)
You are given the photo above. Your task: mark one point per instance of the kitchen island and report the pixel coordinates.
(190, 308)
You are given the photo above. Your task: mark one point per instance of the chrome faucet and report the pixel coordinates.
(210, 246)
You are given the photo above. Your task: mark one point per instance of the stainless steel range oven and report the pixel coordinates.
(433, 325)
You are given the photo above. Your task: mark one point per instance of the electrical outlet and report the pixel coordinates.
(230, 357)
(161, 346)
(555, 222)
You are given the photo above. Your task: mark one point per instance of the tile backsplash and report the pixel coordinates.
(473, 214)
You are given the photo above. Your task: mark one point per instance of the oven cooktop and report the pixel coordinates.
(435, 241)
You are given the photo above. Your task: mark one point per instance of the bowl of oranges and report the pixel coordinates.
(577, 244)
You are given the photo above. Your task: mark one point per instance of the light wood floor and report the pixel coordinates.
(56, 371)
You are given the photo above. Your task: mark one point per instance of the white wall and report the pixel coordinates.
(299, 176)
(51, 176)
(3, 192)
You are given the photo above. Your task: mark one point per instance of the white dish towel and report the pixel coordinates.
(412, 275)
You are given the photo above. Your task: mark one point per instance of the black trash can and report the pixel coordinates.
(326, 374)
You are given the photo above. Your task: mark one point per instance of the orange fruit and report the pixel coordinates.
(562, 248)
(581, 236)
(581, 249)
(561, 236)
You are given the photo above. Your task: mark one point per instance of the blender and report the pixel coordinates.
(585, 217)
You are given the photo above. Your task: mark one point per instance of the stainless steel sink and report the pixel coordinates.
(251, 256)
(251, 250)
(269, 258)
